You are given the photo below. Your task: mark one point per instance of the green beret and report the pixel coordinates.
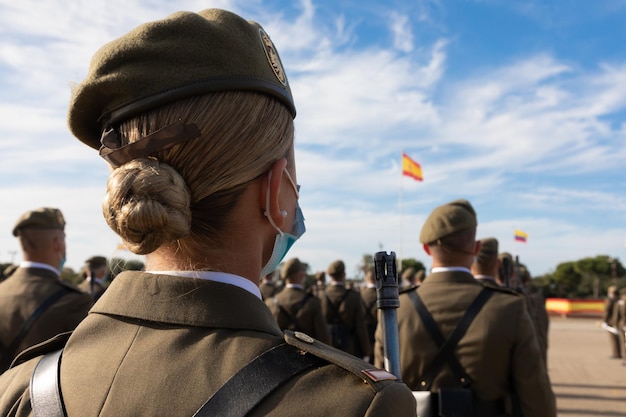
(96, 262)
(453, 217)
(292, 267)
(42, 218)
(336, 268)
(184, 55)
(488, 246)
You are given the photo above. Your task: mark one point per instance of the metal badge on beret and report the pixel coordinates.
(184, 55)
(453, 217)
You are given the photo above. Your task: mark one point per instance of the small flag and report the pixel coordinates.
(520, 236)
(410, 168)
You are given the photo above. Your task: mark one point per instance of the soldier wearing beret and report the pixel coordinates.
(490, 357)
(268, 287)
(370, 297)
(612, 297)
(345, 314)
(294, 308)
(195, 115)
(536, 305)
(95, 283)
(619, 318)
(486, 264)
(35, 304)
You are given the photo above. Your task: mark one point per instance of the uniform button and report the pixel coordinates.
(462, 380)
(423, 383)
(304, 337)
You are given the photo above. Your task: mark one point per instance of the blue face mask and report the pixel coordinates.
(63, 259)
(284, 241)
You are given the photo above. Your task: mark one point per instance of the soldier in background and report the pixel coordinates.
(294, 308)
(345, 314)
(496, 354)
(368, 293)
(268, 287)
(320, 285)
(619, 318)
(486, 264)
(35, 304)
(612, 297)
(536, 303)
(96, 274)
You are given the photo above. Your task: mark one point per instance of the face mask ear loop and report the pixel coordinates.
(267, 204)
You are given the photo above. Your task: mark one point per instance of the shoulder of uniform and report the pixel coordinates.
(376, 378)
(408, 289)
(50, 345)
(70, 286)
(504, 290)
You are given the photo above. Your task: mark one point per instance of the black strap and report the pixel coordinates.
(236, 398)
(335, 308)
(446, 347)
(292, 317)
(45, 390)
(11, 350)
(248, 387)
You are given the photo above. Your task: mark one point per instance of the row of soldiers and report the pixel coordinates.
(614, 321)
(35, 304)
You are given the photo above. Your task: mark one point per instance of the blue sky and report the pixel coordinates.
(517, 106)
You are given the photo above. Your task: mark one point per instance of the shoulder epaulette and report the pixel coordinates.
(374, 377)
(50, 345)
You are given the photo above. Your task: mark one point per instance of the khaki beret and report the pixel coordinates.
(96, 262)
(292, 267)
(42, 218)
(336, 268)
(488, 246)
(453, 217)
(184, 55)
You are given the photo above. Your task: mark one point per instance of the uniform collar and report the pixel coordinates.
(30, 264)
(185, 301)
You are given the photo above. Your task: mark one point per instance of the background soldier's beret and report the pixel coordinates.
(96, 262)
(505, 255)
(291, 267)
(488, 247)
(336, 268)
(453, 217)
(163, 61)
(42, 218)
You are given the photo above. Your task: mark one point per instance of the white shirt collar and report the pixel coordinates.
(450, 269)
(299, 286)
(223, 277)
(489, 277)
(30, 264)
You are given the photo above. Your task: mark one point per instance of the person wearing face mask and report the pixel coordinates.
(195, 116)
(35, 304)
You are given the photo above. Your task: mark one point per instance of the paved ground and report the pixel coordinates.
(586, 382)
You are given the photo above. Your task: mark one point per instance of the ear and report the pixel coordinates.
(426, 248)
(477, 247)
(273, 181)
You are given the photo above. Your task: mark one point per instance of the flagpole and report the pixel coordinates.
(401, 221)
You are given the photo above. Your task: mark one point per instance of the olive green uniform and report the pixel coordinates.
(26, 290)
(619, 318)
(268, 290)
(162, 345)
(308, 318)
(607, 317)
(352, 314)
(98, 289)
(371, 312)
(499, 351)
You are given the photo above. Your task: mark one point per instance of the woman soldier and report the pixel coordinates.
(195, 116)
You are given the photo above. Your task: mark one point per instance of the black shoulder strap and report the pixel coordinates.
(446, 347)
(335, 307)
(259, 378)
(10, 351)
(45, 391)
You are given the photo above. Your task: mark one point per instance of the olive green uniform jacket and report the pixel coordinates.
(308, 318)
(609, 309)
(158, 345)
(619, 320)
(499, 351)
(98, 289)
(371, 313)
(352, 314)
(23, 292)
(268, 290)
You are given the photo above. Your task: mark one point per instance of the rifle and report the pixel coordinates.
(388, 302)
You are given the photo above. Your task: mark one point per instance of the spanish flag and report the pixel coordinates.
(410, 168)
(520, 236)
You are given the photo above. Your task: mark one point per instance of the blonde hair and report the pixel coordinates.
(183, 195)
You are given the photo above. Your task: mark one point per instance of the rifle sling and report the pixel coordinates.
(446, 347)
(259, 378)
